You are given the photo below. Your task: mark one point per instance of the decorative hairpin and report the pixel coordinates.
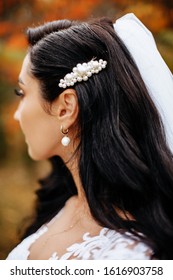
(82, 72)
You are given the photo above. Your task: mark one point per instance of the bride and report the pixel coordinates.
(96, 100)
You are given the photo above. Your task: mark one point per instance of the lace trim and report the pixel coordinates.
(108, 244)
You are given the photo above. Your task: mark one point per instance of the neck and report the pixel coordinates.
(81, 203)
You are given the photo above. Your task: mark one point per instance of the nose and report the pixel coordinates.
(16, 115)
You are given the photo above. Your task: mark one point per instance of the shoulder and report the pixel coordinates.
(21, 251)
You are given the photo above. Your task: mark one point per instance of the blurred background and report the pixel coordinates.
(18, 173)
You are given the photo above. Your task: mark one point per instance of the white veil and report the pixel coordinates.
(154, 71)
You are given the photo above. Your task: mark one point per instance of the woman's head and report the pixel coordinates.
(55, 49)
(124, 161)
(53, 52)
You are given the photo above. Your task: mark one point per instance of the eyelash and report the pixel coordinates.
(18, 92)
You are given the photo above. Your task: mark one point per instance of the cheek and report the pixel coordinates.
(41, 132)
(42, 140)
(43, 144)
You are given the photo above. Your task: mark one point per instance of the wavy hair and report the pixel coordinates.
(125, 162)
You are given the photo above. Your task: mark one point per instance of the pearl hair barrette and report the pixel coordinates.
(82, 72)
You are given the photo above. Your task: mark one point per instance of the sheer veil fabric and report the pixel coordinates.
(154, 71)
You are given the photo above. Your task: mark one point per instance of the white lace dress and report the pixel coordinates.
(107, 245)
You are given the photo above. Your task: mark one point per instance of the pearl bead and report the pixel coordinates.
(81, 69)
(68, 76)
(65, 141)
(95, 63)
(89, 74)
(85, 78)
(79, 79)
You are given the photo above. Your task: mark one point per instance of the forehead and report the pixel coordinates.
(27, 80)
(25, 69)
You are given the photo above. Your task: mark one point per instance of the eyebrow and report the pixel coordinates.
(20, 81)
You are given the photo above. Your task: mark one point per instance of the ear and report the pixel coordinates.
(66, 108)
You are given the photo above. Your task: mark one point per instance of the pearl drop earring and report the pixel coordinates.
(65, 141)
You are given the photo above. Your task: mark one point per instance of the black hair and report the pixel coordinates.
(125, 162)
